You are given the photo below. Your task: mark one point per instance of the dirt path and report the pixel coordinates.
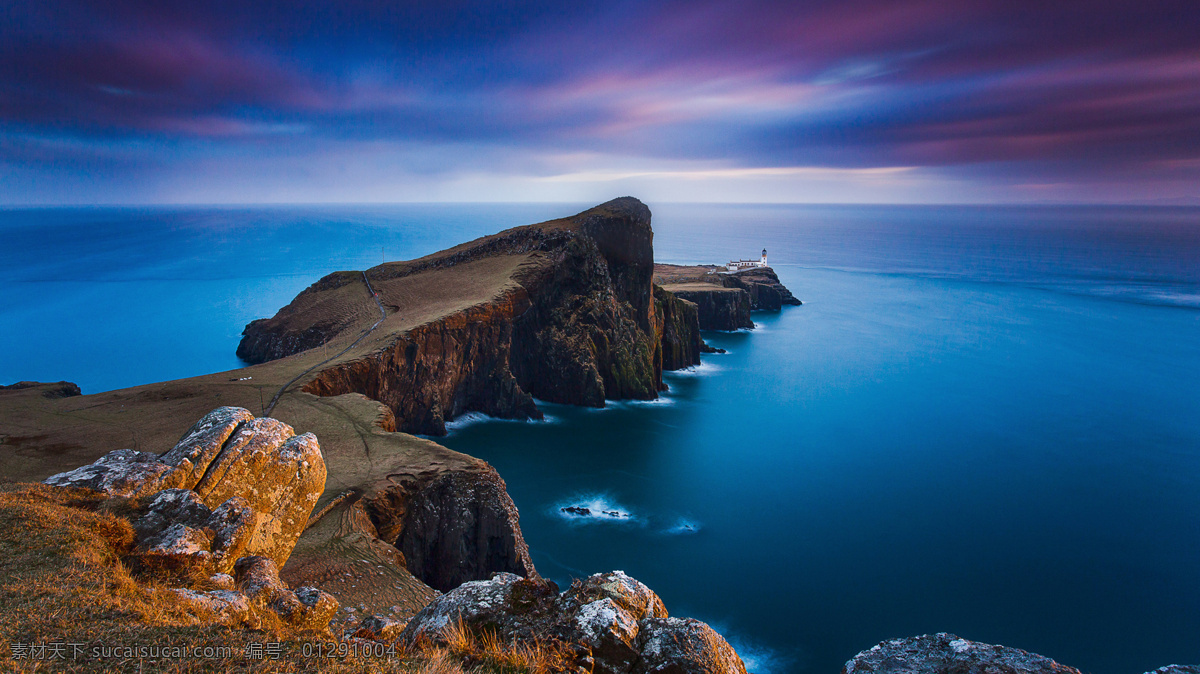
(383, 315)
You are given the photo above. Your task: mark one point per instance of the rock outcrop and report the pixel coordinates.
(763, 285)
(725, 300)
(612, 623)
(718, 307)
(451, 527)
(573, 320)
(60, 389)
(948, 654)
(232, 486)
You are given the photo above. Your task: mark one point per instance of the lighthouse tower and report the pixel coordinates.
(763, 263)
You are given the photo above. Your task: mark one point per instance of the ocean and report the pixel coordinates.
(983, 420)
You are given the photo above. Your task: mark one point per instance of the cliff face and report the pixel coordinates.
(766, 292)
(573, 319)
(724, 301)
(451, 526)
(717, 307)
(441, 369)
(679, 344)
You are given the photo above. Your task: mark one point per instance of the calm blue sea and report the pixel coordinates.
(983, 420)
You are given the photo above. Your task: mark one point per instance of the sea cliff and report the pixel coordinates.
(574, 319)
(724, 300)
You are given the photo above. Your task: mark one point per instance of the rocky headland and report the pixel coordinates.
(562, 311)
(724, 300)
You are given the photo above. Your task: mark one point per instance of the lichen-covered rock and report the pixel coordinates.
(628, 593)
(279, 475)
(306, 608)
(478, 602)
(221, 606)
(612, 622)
(178, 527)
(684, 646)
(192, 455)
(176, 547)
(171, 506)
(609, 632)
(378, 628)
(948, 654)
(223, 581)
(123, 472)
(233, 524)
(245, 485)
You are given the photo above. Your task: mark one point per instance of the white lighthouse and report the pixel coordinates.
(739, 265)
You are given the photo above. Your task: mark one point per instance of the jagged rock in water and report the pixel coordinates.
(725, 300)
(767, 293)
(60, 389)
(948, 654)
(612, 622)
(1177, 669)
(234, 485)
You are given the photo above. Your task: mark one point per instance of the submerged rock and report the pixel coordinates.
(948, 654)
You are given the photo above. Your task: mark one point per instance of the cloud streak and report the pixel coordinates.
(1100, 100)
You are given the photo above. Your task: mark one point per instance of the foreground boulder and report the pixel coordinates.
(948, 654)
(612, 622)
(233, 486)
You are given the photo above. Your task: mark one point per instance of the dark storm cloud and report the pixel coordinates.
(1064, 89)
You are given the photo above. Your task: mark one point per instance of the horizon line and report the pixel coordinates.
(1161, 203)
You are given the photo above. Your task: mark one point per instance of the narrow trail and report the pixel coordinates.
(382, 316)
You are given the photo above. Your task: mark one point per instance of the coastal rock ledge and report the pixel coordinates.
(611, 622)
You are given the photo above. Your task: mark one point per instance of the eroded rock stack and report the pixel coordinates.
(612, 622)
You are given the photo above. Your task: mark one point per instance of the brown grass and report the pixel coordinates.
(62, 581)
(484, 650)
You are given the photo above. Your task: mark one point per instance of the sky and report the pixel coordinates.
(846, 101)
